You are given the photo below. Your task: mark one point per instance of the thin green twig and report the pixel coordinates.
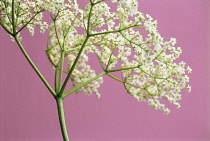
(29, 21)
(34, 66)
(10, 33)
(81, 85)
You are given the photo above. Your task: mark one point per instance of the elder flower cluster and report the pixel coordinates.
(125, 41)
(26, 14)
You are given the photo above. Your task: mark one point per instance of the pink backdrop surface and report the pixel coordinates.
(28, 111)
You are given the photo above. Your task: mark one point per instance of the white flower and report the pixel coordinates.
(189, 70)
(189, 88)
(130, 5)
(166, 111)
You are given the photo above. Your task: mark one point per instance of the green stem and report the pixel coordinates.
(1, 23)
(73, 66)
(34, 66)
(128, 68)
(123, 81)
(116, 31)
(61, 115)
(81, 85)
(116, 78)
(61, 70)
(89, 16)
(79, 53)
(109, 61)
(13, 17)
(29, 21)
(56, 79)
(56, 33)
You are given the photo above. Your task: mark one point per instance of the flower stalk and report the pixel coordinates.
(34, 66)
(61, 115)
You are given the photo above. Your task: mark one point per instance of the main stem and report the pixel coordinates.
(60, 108)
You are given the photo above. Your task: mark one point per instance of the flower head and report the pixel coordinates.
(148, 66)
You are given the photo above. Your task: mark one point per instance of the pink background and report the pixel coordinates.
(28, 111)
